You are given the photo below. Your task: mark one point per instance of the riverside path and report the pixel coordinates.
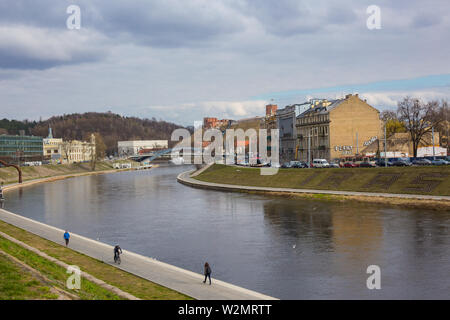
(178, 279)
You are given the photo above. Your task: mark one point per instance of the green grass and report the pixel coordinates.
(433, 180)
(56, 274)
(10, 175)
(18, 284)
(128, 282)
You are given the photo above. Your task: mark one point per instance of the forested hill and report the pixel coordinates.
(112, 127)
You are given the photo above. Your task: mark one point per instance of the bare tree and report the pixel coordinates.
(418, 117)
(443, 127)
(65, 147)
(387, 115)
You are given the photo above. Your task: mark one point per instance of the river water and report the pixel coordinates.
(286, 248)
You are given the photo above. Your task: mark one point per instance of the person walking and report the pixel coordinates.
(117, 252)
(2, 200)
(207, 273)
(66, 237)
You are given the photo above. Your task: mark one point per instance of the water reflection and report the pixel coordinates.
(288, 248)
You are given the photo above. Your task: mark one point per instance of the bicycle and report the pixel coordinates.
(117, 258)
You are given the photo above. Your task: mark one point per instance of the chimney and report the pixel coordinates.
(271, 109)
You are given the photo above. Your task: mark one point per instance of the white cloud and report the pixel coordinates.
(187, 113)
(25, 47)
(388, 100)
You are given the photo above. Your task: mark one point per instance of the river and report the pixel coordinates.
(286, 248)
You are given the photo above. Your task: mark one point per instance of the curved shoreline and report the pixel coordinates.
(412, 200)
(27, 183)
(172, 277)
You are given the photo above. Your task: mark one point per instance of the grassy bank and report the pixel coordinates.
(55, 276)
(433, 180)
(19, 284)
(10, 175)
(125, 281)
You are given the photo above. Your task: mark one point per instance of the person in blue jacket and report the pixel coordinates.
(66, 237)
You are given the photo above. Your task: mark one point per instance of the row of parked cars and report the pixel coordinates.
(368, 163)
(406, 162)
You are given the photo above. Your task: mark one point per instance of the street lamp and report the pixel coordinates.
(432, 136)
(385, 145)
(309, 148)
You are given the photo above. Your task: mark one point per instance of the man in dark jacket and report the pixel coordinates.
(207, 273)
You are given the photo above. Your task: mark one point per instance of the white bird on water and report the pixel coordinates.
(294, 246)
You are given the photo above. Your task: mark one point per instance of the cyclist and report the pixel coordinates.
(117, 252)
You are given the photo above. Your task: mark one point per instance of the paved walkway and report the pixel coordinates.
(186, 179)
(172, 277)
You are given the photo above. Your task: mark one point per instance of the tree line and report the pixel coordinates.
(108, 128)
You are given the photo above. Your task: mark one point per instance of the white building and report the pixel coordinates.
(52, 147)
(132, 148)
(78, 151)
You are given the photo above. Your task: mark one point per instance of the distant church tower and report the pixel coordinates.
(50, 133)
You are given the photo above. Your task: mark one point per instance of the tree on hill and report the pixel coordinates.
(111, 127)
(15, 126)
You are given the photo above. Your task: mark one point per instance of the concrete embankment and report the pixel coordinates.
(66, 176)
(178, 279)
(435, 202)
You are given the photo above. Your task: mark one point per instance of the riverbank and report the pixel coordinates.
(9, 175)
(427, 187)
(92, 286)
(48, 173)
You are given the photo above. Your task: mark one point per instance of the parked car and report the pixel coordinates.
(422, 162)
(334, 165)
(275, 165)
(367, 164)
(298, 164)
(320, 163)
(349, 165)
(306, 164)
(401, 163)
(286, 165)
(439, 162)
(381, 163)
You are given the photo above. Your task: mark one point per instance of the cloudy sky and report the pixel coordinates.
(181, 60)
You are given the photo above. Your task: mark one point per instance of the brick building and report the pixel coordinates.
(337, 129)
